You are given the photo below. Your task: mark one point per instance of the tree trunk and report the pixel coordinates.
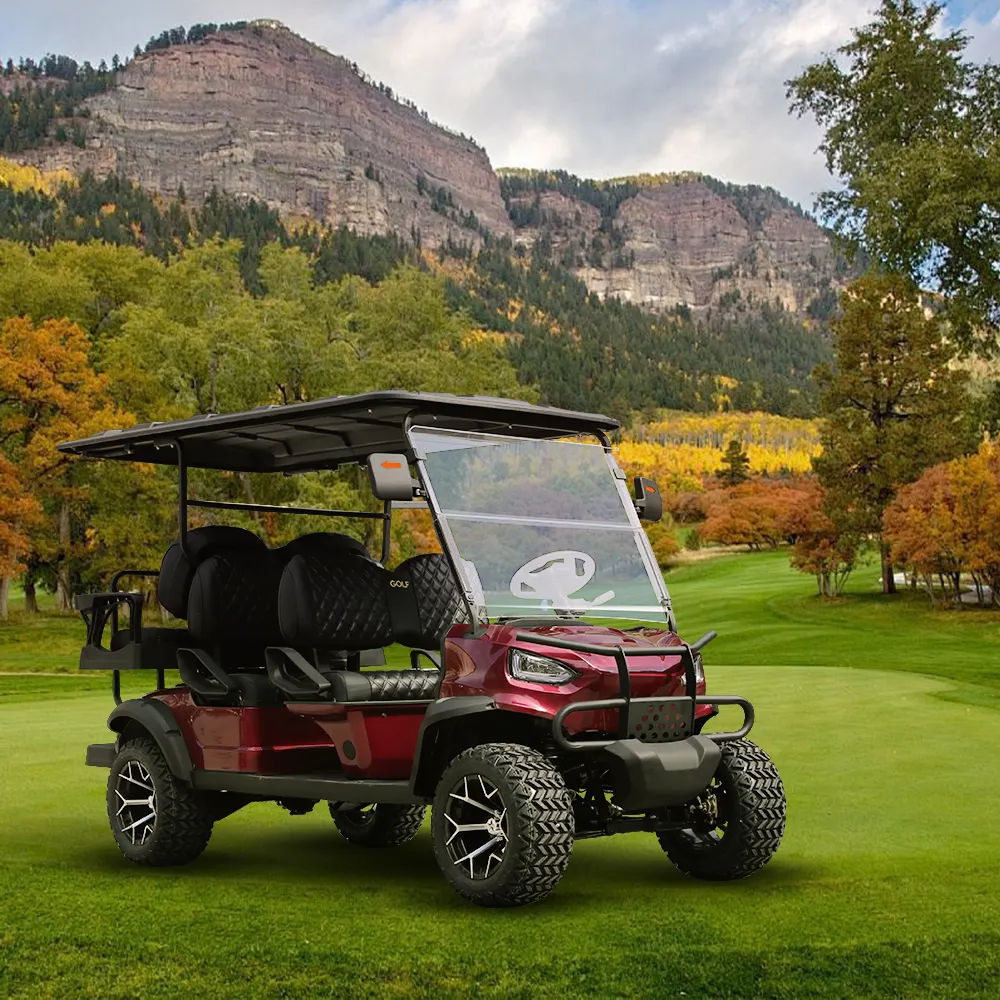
(248, 493)
(63, 602)
(30, 595)
(4, 595)
(888, 580)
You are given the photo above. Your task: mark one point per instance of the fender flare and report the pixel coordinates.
(443, 711)
(161, 725)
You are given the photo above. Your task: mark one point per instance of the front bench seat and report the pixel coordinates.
(352, 603)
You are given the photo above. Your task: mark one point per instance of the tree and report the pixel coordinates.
(912, 134)
(753, 514)
(735, 465)
(18, 513)
(893, 406)
(819, 547)
(48, 394)
(948, 523)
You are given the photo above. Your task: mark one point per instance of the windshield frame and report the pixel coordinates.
(479, 613)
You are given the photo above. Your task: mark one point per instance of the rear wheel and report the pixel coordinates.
(156, 819)
(503, 825)
(378, 825)
(737, 821)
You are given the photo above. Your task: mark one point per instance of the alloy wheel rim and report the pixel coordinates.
(476, 827)
(136, 801)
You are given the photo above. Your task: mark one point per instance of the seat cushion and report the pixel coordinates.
(384, 685)
(160, 638)
(158, 646)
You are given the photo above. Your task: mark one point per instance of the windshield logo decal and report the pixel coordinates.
(553, 577)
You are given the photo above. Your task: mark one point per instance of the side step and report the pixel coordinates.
(332, 788)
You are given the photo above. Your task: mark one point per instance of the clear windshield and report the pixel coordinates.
(540, 527)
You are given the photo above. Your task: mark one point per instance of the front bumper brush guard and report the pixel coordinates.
(662, 719)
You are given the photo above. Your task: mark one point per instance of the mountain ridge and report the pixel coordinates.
(256, 110)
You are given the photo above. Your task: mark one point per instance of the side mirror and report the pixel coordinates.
(390, 477)
(648, 502)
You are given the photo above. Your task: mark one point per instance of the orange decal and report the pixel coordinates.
(650, 489)
(392, 465)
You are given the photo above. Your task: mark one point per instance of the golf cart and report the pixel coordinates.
(548, 697)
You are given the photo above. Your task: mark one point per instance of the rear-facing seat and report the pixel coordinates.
(352, 603)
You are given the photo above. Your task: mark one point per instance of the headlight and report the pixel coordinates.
(524, 666)
(699, 669)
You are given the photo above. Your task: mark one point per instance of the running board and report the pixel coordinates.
(331, 788)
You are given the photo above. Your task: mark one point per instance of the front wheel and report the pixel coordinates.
(156, 819)
(737, 822)
(502, 825)
(378, 825)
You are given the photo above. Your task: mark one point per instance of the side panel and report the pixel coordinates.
(254, 740)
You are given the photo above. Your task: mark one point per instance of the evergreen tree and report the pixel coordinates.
(894, 405)
(735, 464)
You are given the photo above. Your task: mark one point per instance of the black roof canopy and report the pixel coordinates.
(327, 432)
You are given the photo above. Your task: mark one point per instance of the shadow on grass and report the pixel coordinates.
(325, 861)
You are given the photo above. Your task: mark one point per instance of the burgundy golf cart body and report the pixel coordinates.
(544, 622)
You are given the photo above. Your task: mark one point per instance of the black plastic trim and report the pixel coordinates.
(158, 721)
(332, 788)
(440, 712)
(654, 775)
(101, 754)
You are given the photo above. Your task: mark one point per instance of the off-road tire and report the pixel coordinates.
(539, 819)
(183, 819)
(379, 826)
(755, 820)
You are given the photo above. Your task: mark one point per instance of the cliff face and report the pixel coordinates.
(260, 112)
(684, 242)
(263, 113)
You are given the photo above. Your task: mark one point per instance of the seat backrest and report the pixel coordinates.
(233, 600)
(352, 603)
(427, 604)
(178, 567)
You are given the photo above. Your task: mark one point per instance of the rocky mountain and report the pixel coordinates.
(676, 240)
(259, 112)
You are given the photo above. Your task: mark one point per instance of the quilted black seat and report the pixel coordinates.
(384, 685)
(232, 607)
(352, 603)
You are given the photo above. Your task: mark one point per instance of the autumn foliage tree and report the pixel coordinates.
(755, 514)
(49, 393)
(819, 547)
(947, 524)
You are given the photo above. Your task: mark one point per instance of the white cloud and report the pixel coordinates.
(598, 87)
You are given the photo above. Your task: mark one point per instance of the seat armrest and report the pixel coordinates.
(203, 675)
(293, 674)
(415, 655)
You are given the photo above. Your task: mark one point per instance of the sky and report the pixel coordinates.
(601, 88)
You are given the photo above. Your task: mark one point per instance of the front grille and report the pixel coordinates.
(660, 720)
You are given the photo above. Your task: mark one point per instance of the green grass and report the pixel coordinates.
(887, 883)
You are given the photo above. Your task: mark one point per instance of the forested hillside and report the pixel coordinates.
(572, 347)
